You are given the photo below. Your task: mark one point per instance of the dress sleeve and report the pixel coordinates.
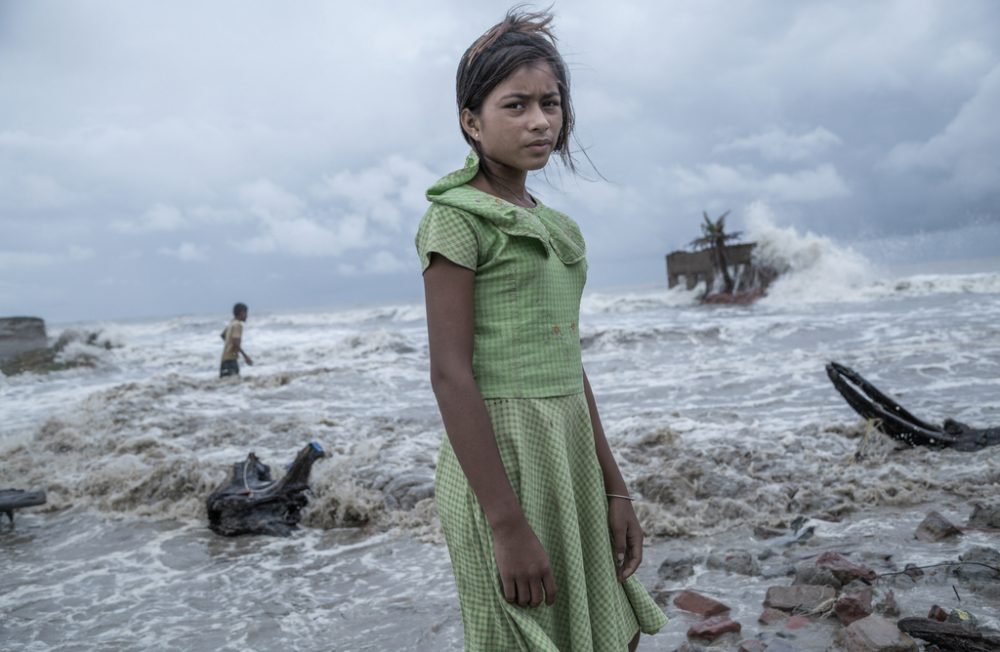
(449, 232)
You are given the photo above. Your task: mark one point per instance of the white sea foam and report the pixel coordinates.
(722, 419)
(816, 269)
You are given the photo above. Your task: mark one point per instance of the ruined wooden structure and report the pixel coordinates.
(697, 266)
(20, 334)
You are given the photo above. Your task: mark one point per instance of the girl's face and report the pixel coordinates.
(520, 120)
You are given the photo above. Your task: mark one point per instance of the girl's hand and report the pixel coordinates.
(626, 536)
(525, 573)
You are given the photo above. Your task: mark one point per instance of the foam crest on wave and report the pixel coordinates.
(813, 268)
(816, 269)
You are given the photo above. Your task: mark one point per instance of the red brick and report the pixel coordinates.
(853, 606)
(699, 604)
(713, 628)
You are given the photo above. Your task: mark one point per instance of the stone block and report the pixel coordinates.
(985, 514)
(854, 605)
(937, 613)
(677, 566)
(699, 604)
(876, 634)
(713, 628)
(936, 527)
(843, 569)
(741, 562)
(804, 597)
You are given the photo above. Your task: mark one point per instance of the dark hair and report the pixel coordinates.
(520, 38)
(238, 308)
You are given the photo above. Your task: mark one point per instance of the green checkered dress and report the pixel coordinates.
(530, 271)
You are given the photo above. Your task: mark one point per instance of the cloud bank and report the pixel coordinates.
(192, 153)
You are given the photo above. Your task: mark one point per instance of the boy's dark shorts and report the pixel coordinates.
(229, 368)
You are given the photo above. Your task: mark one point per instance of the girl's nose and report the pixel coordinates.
(537, 120)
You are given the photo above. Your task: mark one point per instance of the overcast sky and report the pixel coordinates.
(162, 158)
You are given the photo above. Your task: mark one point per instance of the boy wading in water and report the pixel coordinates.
(231, 350)
(539, 523)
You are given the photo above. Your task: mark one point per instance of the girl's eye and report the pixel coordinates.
(515, 105)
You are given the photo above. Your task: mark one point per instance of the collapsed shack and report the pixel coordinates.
(25, 347)
(750, 279)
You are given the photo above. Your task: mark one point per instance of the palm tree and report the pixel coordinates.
(714, 236)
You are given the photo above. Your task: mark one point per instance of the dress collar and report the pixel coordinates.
(556, 231)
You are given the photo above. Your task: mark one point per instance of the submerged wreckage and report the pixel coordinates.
(250, 502)
(11, 499)
(890, 417)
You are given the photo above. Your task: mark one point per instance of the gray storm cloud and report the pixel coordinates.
(160, 159)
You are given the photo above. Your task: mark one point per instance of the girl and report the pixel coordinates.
(527, 487)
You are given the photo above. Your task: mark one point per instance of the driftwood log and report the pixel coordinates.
(11, 499)
(892, 419)
(950, 636)
(251, 502)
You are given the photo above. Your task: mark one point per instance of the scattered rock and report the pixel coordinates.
(699, 604)
(797, 622)
(981, 564)
(713, 628)
(985, 514)
(936, 527)
(887, 605)
(771, 616)
(775, 570)
(876, 634)
(808, 573)
(853, 605)
(831, 569)
(938, 614)
(741, 562)
(843, 569)
(752, 645)
(798, 598)
(678, 565)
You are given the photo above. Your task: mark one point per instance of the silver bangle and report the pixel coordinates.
(619, 496)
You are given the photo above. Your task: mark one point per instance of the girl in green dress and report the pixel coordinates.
(539, 522)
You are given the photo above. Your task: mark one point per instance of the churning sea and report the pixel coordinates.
(722, 420)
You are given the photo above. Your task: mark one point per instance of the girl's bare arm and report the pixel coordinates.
(626, 534)
(523, 564)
